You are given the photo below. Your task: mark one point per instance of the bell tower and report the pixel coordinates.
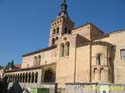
(61, 25)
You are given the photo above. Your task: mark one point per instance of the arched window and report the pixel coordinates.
(23, 79)
(65, 30)
(32, 77)
(99, 59)
(36, 77)
(96, 74)
(26, 78)
(57, 30)
(29, 79)
(35, 59)
(20, 78)
(54, 31)
(62, 50)
(102, 74)
(67, 48)
(39, 60)
(53, 41)
(56, 38)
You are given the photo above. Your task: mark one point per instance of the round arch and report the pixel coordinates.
(62, 50)
(49, 76)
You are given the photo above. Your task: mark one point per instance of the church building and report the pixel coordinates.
(84, 54)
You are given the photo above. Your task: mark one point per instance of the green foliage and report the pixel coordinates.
(10, 65)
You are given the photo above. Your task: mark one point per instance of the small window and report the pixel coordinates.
(35, 59)
(62, 50)
(53, 41)
(54, 31)
(56, 38)
(122, 54)
(99, 59)
(65, 30)
(67, 48)
(39, 60)
(57, 30)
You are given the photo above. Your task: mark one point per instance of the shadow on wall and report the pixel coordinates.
(113, 51)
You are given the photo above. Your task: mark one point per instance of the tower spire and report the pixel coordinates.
(61, 25)
(64, 1)
(63, 11)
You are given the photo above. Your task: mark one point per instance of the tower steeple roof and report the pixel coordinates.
(63, 11)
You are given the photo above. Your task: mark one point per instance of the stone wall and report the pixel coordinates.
(94, 88)
(47, 57)
(117, 40)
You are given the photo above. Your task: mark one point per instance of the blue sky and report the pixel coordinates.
(25, 24)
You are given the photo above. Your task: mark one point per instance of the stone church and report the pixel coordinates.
(84, 54)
